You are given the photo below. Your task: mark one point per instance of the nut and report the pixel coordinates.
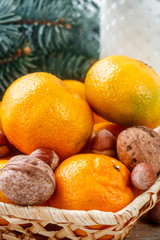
(47, 155)
(5, 151)
(3, 139)
(104, 142)
(27, 180)
(139, 144)
(143, 176)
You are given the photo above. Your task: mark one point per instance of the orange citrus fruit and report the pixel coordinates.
(98, 119)
(124, 91)
(77, 87)
(92, 181)
(3, 198)
(38, 111)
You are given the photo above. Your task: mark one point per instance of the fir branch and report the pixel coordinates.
(64, 33)
(42, 27)
(8, 31)
(86, 44)
(20, 52)
(60, 23)
(20, 63)
(52, 32)
(66, 65)
(48, 10)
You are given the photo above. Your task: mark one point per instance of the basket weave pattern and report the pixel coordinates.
(26, 222)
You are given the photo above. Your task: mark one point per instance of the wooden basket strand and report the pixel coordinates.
(51, 223)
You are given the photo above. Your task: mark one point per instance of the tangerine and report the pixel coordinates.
(124, 91)
(38, 111)
(77, 87)
(92, 182)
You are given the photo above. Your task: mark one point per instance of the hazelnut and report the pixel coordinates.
(104, 142)
(5, 150)
(139, 144)
(47, 155)
(3, 139)
(143, 176)
(27, 180)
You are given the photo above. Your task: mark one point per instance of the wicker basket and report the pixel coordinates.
(51, 223)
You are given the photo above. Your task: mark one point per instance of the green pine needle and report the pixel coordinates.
(8, 31)
(20, 63)
(64, 33)
(67, 65)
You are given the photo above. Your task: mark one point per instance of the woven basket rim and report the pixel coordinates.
(137, 207)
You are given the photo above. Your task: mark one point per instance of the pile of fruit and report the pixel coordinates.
(80, 146)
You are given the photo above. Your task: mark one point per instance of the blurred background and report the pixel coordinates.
(131, 28)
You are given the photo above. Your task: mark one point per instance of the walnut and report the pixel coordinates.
(27, 180)
(139, 144)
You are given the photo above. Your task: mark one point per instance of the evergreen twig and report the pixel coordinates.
(8, 32)
(16, 65)
(64, 33)
(67, 65)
